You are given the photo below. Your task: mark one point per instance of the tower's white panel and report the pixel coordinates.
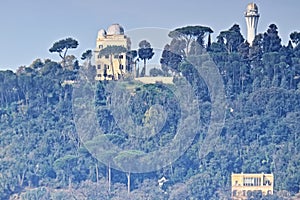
(252, 17)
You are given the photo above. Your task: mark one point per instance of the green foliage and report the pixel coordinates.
(87, 55)
(132, 59)
(189, 33)
(112, 50)
(156, 72)
(171, 57)
(62, 46)
(145, 53)
(233, 38)
(42, 156)
(271, 40)
(295, 37)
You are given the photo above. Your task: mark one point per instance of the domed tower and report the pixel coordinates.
(251, 16)
(117, 66)
(115, 29)
(101, 33)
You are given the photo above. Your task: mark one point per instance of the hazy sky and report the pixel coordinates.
(30, 27)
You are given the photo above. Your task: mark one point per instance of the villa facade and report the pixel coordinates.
(242, 184)
(111, 67)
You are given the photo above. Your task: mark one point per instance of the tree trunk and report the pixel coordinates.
(128, 182)
(134, 70)
(187, 46)
(144, 67)
(97, 174)
(109, 178)
(22, 177)
(121, 70)
(112, 67)
(70, 183)
(171, 166)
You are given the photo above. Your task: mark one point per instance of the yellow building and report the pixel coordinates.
(241, 184)
(118, 66)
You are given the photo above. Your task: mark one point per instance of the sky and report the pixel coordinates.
(29, 28)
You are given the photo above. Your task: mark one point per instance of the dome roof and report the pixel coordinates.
(101, 33)
(252, 7)
(115, 29)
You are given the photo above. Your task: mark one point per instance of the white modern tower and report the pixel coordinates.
(251, 16)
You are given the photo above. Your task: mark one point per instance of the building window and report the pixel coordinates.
(121, 56)
(250, 181)
(268, 183)
(234, 193)
(106, 56)
(98, 66)
(100, 46)
(99, 75)
(257, 181)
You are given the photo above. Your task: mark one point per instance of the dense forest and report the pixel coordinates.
(43, 157)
